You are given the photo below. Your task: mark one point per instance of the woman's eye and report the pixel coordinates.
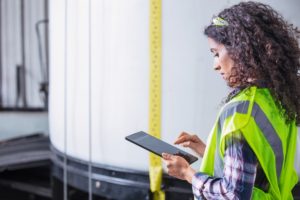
(216, 55)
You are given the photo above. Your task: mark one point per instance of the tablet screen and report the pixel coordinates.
(157, 146)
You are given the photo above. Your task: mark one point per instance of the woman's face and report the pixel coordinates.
(222, 62)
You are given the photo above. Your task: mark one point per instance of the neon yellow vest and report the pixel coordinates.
(254, 113)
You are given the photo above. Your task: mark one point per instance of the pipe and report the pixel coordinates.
(23, 83)
(1, 82)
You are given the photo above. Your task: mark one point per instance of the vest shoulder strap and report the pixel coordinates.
(237, 112)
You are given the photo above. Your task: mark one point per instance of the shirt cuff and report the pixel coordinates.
(198, 181)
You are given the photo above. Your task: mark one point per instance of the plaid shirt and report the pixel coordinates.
(239, 172)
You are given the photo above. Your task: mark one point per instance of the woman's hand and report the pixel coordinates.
(178, 167)
(191, 141)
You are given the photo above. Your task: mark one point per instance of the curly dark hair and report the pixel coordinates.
(265, 49)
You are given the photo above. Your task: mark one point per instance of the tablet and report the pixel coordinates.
(157, 146)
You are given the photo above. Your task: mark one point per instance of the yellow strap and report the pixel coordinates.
(155, 171)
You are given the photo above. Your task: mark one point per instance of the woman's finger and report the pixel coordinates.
(182, 139)
(186, 144)
(166, 156)
(190, 145)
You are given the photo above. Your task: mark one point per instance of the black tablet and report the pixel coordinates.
(157, 146)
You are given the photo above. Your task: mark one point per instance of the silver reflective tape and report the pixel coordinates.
(262, 122)
(236, 107)
(229, 110)
(218, 162)
(270, 134)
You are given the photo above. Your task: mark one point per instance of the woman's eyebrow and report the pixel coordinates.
(213, 50)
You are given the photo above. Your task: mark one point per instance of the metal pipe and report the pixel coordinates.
(40, 48)
(1, 82)
(65, 184)
(46, 6)
(18, 84)
(23, 84)
(90, 101)
(43, 64)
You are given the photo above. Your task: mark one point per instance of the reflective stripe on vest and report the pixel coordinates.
(261, 121)
(239, 107)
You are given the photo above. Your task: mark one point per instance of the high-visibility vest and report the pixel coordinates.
(254, 113)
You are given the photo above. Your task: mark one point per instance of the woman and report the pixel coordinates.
(251, 148)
